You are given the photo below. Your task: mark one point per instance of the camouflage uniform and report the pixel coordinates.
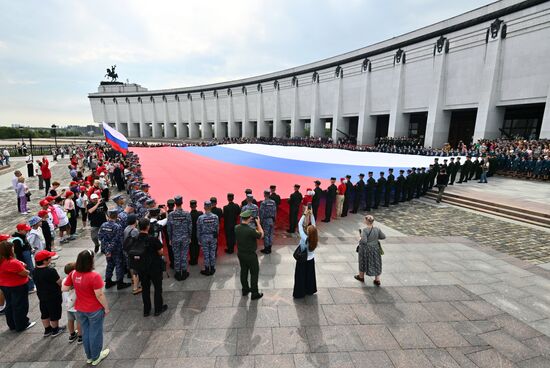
(254, 209)
(207, 233)
(179, 226)
(110, 237)
(268, 212)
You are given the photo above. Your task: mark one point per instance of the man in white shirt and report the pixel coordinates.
(6, 155)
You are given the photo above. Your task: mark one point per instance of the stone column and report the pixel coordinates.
(156, 128)
(398, 126)
(194, 132)
(316, 127)
(180, 131)
(118, 123)
(206, 129)
(232, 131)
(262, 126)
(217, 122)
(296, 126)
(102, 101)
(545, 128)
(144, 131)
(247, 129)
(168, 127)
(337, 109)
(278, 128)
(366, 129)
(489, 117)
(132, 132)
(439, 120)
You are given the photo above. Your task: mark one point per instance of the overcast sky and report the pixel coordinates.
(53, 53)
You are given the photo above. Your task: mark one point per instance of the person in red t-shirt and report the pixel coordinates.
(13, 282)
(91, 305)
(46, 173)
(340, 197)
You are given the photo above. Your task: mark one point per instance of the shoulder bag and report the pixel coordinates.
(300, 255)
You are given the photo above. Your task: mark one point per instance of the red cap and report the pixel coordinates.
(68, 194)
(4, 237)
(342, 179)
(43, 254)
(44, 203)
(23, 226)
(42, 213)
(50, 198)
(82, 188)
(308, 190)
(72, 183)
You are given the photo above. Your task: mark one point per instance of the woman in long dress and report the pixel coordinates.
(370, 258)
(304, 274)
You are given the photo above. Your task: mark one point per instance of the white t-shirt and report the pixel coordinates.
(35, 237)
(69, 297)
(61, 215)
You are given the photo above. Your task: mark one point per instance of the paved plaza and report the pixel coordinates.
(457, 291)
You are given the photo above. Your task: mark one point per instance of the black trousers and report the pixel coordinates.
(72, 221)
(397, 195)
(315, 208)
(328, 208)
(17, 306)
(305, 282)
(293, 218)
(230, 237)
(249, 264)
(146, 279)
(194, 251)
(368, 200)
(345, 207)
(47, 185)
(377, 197)
(387, 195)
(453, 177)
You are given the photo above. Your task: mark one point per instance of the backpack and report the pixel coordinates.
(138, 260)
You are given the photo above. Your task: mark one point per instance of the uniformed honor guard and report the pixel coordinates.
(207, 233)
(251, 205)
(390, 184)
(180, 228)
(119, 201)
(348, 196)
(451, 170)
(379, 188)
(359, 191)
(268, 212)
(370, 188)
(246, 248)
(194, 248)
(110, 236)
(274, 195)
(399, 188)
(215, 209)
(245, 201)
(231, 213)
(330, 197)
(294, 203)
(316, 197)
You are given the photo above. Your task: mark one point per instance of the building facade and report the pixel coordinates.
(481, 74)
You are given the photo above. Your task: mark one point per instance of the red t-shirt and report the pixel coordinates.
(342, 189)
(9, 269)
(84, 285)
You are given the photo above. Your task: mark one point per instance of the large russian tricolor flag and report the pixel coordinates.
(116, 139)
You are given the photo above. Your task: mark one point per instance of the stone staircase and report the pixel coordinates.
(497, 209)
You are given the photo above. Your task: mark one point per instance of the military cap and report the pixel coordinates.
(445, 160)
(150, 201)
(112, 211)
(401, 171)
(414, 168)
(246, 214)
(145, 185)
(361, 175)
(207, 203)
(272, 187)
(193, 202)
(348, 176)
(382, 173)
(317, 182)
(332, 178)
(213, 199)
(154, 212)
(142, 199)
(266, 192)
(230, 195)
(370, 172)
(178, 200)
(296, 185)
(390, 169)
(452, 158)
(130, 204)
(117, 197)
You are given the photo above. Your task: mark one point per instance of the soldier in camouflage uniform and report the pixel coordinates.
(179, 228)
(268, 212)
(207, 233)
(119, 201)
(110, 237)
(250, 206)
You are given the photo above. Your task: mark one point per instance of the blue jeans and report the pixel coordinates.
(27, 258)
(92, 332)
(483, 178)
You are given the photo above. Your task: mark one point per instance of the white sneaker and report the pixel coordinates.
(32, 291)
(102, 356)
(55, 257)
